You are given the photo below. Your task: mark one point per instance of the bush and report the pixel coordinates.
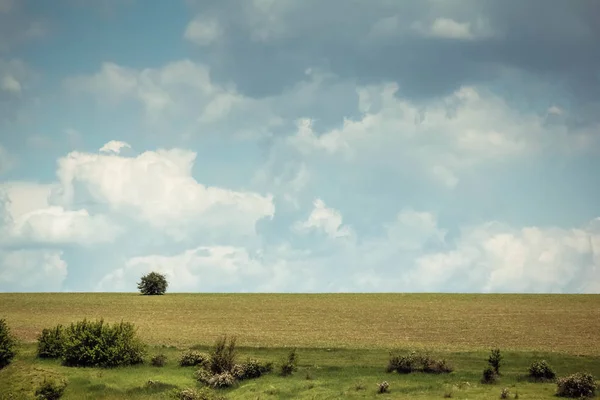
(158, 360)
(222, 356)
(403, 364)
(495, 360)
(50, 342)
(541, 371)
(153, 284)
(221, 381)
(251, 369)
(51, 389)
(489, 375)
(8, 344)
(203, 376)
(431, 366)
(192, 359)
(580, 384)
(383, 387)
(289, 365)
(504, 393)
(96, 344)
(413, 362)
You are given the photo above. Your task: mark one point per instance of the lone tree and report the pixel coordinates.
(153, 284)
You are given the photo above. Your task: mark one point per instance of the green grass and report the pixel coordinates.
(343, 340)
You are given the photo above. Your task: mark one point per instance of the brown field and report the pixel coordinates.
(445, 322)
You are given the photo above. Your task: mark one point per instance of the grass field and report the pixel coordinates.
(343, 340)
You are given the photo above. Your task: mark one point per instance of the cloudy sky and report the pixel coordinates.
(300, 145)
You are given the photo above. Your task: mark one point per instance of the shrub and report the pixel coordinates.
(192, 359)
(504, 393)
(495, 360)
(580, 384)
(432, 366)
(412, 362)
(222, 380)
(51, 389)
(383, 387)
(153, 284)
(541, 371)
(403, 364)
(289, 365)
(489, 375)
(8, 344)
(158, 360)
(222, 356)
(98, 344)
(203, 376)
(251, 369)
(50, 342)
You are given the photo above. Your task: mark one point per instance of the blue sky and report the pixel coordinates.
(300, 146)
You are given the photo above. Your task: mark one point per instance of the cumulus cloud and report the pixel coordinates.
(182, 93)
(28, 217)
(31, 270)
(217, 269)
(325, 219)
(203, 31)
(157, 187)
(497, 258)
(447, 28)
(444, 137)
(114, 146)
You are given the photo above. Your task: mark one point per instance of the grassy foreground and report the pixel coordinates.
(343, 341)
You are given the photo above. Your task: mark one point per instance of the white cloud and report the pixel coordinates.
(57, 225)
(203, 31)
(325, 219)
(114, 146)
(448, 28)
(215, 269)
(181, 93)
(28, 217)
(157, 187)
(11, 84)
(498, 258)
(442, 138)
(32, 270)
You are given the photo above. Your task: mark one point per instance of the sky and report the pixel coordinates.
(300, 145)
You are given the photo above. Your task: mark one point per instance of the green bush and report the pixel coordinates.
(251, 369)
(413, 362)
(51, 389)
(383, 387)
(222, 380)
(153, 284)
(541, 371)
(495, 360)
(8, 344)
(289, 365)
(403, 364)
(578, 385)
(192, 359)
(489, 375)
(222, 356)
(50, 342)
(158, 360)
(97, 344)
(432, 366)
